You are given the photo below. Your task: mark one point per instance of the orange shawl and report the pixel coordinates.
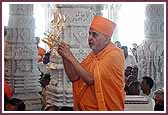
(41, 53)
(7, 90)
(107, 93)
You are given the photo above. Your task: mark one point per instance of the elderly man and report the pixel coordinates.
(98, 81)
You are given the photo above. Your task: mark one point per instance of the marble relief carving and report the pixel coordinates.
(21, 21)
(151, 51)
(79, 35)
(21, 69)
(20, 35)
(26, 51)
(79, 15)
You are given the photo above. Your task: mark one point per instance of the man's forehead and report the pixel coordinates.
(93, 30)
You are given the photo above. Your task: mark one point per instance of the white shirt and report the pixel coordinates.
(150, 99)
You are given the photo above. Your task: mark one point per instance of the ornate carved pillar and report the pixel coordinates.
(21, 56)
(75, 33)
(151, 51)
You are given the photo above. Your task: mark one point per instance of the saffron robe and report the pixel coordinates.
(107, 92)
(7, 90)
(41, 52)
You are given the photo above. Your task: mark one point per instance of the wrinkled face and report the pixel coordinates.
(97, 41)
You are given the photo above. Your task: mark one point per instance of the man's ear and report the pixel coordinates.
(107, 40)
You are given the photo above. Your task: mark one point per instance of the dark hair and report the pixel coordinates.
(45, 79)
(134, 83)
(134, 49)
(128, 71)
(124, 47)
(46, 58)
(117, 41)
(133, 88)
(149, 81)
(47, 76)
(135, 71)
(66, 108)
(18, 103)
(52, 107)
(129, 67)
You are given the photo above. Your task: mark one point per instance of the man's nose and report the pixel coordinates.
(90, 38)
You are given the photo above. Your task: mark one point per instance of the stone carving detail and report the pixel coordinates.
(79, 35)
(75, 33)
(154, 28)
(151, 51)
(21, 9)
(26, 51)
(21, 21)
(21, 56)
(155, 10)
(20, 35)
(154, 23)
(80, 17)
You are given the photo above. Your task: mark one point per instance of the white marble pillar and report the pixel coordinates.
(21, 56)
(75, 33)
(114, 10)
(151, 51)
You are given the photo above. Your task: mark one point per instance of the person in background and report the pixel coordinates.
(135, 71)
(146, 90)
(118, 44)
(146, 86)
(44, 81)
(98, 81)
(129, 60)
(66, 108)
(159, 100)
(128, 71)
(7, 93)
(7, 90)
(128, 81)
(134, 51)
(46, 58)
(15, 104)
(41, 51)
(134, 88)
(52, 108)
